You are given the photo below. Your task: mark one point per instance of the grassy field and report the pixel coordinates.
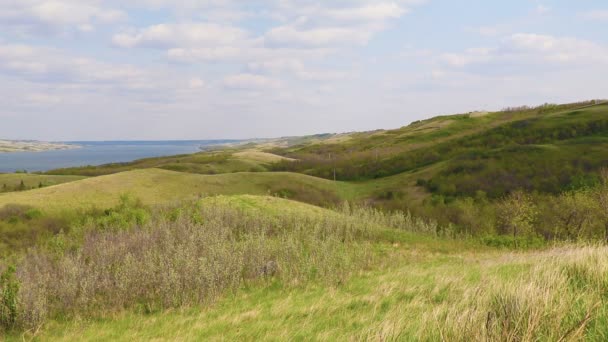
(227, 160)
(257, 242)
(12, 181)
(156, 186)
(417, 288)
(451, 297)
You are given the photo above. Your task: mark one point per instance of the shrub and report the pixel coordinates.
(191, 256)
(9, 291)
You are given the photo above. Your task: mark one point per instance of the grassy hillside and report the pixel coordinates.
(549, 148)
(211, 162)
(156, 186)
(24, 181)
(454, 296)
(498, 235)
(378, 281)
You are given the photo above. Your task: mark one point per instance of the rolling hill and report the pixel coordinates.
(255, 243)
(156, 186)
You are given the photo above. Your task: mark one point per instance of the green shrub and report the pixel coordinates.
(9, 291)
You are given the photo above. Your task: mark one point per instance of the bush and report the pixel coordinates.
(9, 291)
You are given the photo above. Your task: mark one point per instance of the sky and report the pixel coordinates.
(215, 69)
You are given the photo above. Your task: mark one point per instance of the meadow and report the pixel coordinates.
(256, 267)
(470, 227)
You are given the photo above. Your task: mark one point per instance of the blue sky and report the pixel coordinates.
(187, 69)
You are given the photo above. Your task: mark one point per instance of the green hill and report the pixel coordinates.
(156, 186)
(24, 181)
(493, 232)
(211, 162)
(363, 279)
(547, 149)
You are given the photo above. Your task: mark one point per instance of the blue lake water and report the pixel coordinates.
(98, 153)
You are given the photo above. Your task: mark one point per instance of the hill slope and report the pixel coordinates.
(156, 186)
(12, 181)
(547, 149)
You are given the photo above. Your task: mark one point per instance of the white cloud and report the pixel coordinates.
(599, 15)
(250, 81)
(40, 65)
(469, 56)
(296, 68)
(181, 35)
(47, 16)
(196, 83)
(527, 49)
(370, 12)
(326, 36)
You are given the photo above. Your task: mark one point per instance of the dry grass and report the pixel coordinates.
(188, 256)
(155, 186)
(553, 295)
(260, 157)
(556, 295)
(273, 269)
(12, 181)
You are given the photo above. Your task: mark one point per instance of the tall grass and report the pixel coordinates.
(191, 256)
(562, 297)
(395, 219)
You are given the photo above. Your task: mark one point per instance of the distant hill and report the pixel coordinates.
(32, 146)
(548, 149)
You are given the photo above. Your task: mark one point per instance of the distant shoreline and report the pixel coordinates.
(14, 146)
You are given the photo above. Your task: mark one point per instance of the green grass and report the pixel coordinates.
(155, 186)
(12, 181)
(212, 162)
(414, 295)
(545, 149)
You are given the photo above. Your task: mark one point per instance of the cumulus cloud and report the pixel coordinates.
(44, 16)
(250, 82)
(527, 49)
(371, 12)
(179, 35)
(325, 36)
(54, 67)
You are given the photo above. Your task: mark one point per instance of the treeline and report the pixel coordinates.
(573, 215)
(19, 187)
(545, 154)
(548, 107)
(546, 169)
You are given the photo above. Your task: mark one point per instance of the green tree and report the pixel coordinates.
(516, 214)
(601, 198)
(573, 212)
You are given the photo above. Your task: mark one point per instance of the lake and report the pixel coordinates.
(98, 153)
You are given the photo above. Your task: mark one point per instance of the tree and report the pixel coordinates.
(573, 211)
(517, 213)
(21, 186)
(601, 197)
